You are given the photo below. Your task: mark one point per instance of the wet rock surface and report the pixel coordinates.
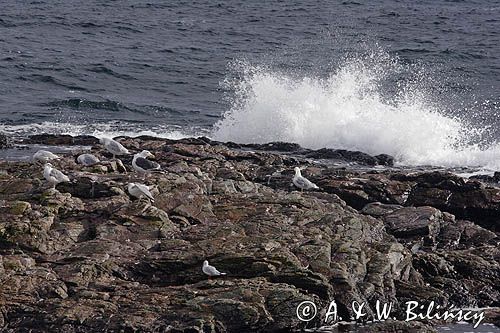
(4, 141)
(85, 256)
(51, 139)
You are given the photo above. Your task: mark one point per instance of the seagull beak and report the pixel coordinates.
(151, 155)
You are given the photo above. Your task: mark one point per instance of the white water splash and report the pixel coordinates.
(346, 111)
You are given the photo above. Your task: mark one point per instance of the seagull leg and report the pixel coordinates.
(146, 207)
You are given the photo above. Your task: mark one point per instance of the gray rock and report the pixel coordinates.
(410, 222)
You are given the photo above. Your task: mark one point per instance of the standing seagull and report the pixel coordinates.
(210, 270)
(141, 164)
(87, 159)
(44, 156)
(54, 176)
(114, 147)
(302, 182)
(139, 191)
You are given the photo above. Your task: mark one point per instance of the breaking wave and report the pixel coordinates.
(352, 109)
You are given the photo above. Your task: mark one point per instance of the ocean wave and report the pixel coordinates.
(79, 103)
(348, 110)
(109, 129)
(49, 79)
(114, 107)
(103, 69)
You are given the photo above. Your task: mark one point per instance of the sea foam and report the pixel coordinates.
(108, 129)
(347, 110)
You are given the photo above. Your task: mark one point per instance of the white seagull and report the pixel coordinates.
(54, 176)
(44, 156)
(141, 164)
(210, 270)
(87, 159)
(139, 191)
(114, 147)
(302, 182)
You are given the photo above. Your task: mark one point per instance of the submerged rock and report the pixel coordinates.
(4, 141)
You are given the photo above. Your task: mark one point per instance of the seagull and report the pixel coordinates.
(139, 191)
(141, 164)
(114, 147)
(210, 270)
(44, 156)
(54, 176)
(87, 159)
(302, 182)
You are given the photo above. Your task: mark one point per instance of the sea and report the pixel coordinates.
(419, 80)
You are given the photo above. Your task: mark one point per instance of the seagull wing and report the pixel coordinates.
(115, 147)
(87, 159)
(300, 182)
(211, 270)
(310, 184)
(145, 190)
(44, 155)
(51, 155)
(59, 176)
(134, 190)
(146, 164)
(303, 183)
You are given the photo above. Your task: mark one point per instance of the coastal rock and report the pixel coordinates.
(464, 276)
(87, 188)
(411, 222)
(465, 234)
(14, 207)
(470, 200)
(495, 179)
(384, 159)
(378, 209)
(353, 156)
(15, 187)
(85, 256)
(273, 146)
(51, 139)
(396, 326)
(371, 187)
(4, 141)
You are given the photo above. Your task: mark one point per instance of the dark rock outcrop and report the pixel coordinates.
(4, 141)
(352, 156)
(68, 140)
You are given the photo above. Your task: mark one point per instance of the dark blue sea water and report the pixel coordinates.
(400, 77)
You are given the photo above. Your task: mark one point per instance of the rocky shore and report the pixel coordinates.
(86, 257)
